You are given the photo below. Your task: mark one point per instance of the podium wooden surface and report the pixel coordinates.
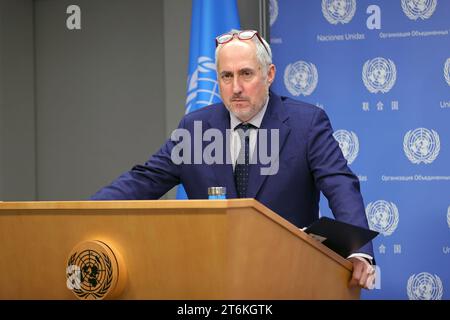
(172, 249)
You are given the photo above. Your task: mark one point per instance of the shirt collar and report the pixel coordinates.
(256, 120)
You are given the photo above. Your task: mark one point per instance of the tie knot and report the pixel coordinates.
(244, 126)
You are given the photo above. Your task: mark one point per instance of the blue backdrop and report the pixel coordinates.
(381, 70)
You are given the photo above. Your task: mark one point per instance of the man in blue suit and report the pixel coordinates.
(307, 158)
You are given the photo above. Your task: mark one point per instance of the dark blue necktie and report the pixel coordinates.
(241, 168)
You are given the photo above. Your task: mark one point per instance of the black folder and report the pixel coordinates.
(341, 237)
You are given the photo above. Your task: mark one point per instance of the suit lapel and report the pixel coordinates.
(274, 118)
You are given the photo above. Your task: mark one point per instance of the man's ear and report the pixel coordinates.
(271, 74)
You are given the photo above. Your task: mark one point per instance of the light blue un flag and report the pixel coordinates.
(210, 18)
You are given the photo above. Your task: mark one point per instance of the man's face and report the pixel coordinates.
(243, 86)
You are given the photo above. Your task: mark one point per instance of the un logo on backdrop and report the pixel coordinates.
(447, 71)
(421, 145)
(203, 88)
(349, 144)
(338, 11)
(422, 9)
(382, 216)
(448, 216)
(301, 78)
(379, 75)
(273, 11)
(424, 286)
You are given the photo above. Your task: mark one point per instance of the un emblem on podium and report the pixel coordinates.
(424, 286)
(338, 11)
(95, 271)
(415, 9)
(421, 145)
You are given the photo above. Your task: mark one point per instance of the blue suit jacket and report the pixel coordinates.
(310, 161)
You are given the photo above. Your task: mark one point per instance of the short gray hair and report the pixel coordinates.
(264, 57)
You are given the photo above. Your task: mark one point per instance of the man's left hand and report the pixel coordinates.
(363, 273)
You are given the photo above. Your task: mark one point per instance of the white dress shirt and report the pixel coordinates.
(235, 141)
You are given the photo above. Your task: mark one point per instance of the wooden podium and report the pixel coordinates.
(193, 249)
